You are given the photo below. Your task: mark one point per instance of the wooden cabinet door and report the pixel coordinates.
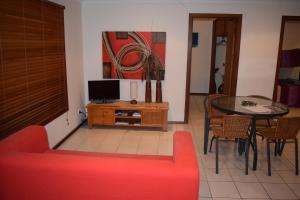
(101, 116)
(152, 118)
(97, 115)
(94, 116)
(108, 117)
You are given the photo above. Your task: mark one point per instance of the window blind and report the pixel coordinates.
(33, 84)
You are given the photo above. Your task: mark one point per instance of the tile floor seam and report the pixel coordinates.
(209, 190)
(139, 142)
(101, 142)
(293, 190)
(289, 161)
(220, 181)
(79, 145)
(282, 178)
(157, 147)
(122, 138)
(237, 189)
(261, 184)
(266, 191)
(227, 196)
(289, 186)
(291, 164)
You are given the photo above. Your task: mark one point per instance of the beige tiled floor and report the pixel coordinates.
(230, 183)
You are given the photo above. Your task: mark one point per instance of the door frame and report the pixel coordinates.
(212, 59)
(284, 19)
(193, 16)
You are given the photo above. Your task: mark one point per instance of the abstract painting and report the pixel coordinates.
(134, 55)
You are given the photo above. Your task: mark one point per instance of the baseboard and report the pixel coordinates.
(69, 135)
(200, 94)
(176, 122)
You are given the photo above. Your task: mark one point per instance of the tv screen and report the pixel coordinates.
(104, 90)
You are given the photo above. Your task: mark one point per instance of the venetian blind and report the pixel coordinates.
(32, 59)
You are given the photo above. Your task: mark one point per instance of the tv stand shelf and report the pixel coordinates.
(122, 113)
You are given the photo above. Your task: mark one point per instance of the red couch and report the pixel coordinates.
(30, 170)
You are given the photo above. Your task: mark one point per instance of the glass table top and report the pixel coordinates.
(250, 106)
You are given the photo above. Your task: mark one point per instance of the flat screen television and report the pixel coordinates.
(104, 91)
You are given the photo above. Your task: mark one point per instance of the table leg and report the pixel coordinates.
(241, 146)
(281, 147)
(206, 134)
(253, 137)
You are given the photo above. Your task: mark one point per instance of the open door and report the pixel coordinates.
(223, 73)
(227, 30)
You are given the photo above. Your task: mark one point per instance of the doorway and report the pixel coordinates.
(225, 47)
(287, 79)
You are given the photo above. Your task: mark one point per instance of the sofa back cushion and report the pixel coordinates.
(31, 139)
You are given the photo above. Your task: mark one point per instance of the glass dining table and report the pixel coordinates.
(256, 108)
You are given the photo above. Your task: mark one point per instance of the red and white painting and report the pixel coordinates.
(134, 55)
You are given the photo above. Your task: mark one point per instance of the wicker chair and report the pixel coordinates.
(213, 117)
(287, 129)
(233, 126)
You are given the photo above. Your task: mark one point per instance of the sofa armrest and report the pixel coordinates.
(30, 139)
(183, 149)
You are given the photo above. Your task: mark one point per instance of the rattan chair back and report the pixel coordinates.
(234, 126)
(287, 128)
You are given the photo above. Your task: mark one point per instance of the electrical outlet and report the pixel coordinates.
(81, 111)
(67, 120)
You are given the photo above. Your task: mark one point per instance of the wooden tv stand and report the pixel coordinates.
(122, 113)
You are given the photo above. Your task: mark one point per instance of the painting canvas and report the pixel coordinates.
(134, 55)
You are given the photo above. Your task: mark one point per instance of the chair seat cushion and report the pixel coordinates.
(267, 132)
(264, 123)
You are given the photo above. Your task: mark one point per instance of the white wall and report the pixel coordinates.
(59, 128)
(258, 51)
(201, 56)
(259, 39)
(169, 18)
